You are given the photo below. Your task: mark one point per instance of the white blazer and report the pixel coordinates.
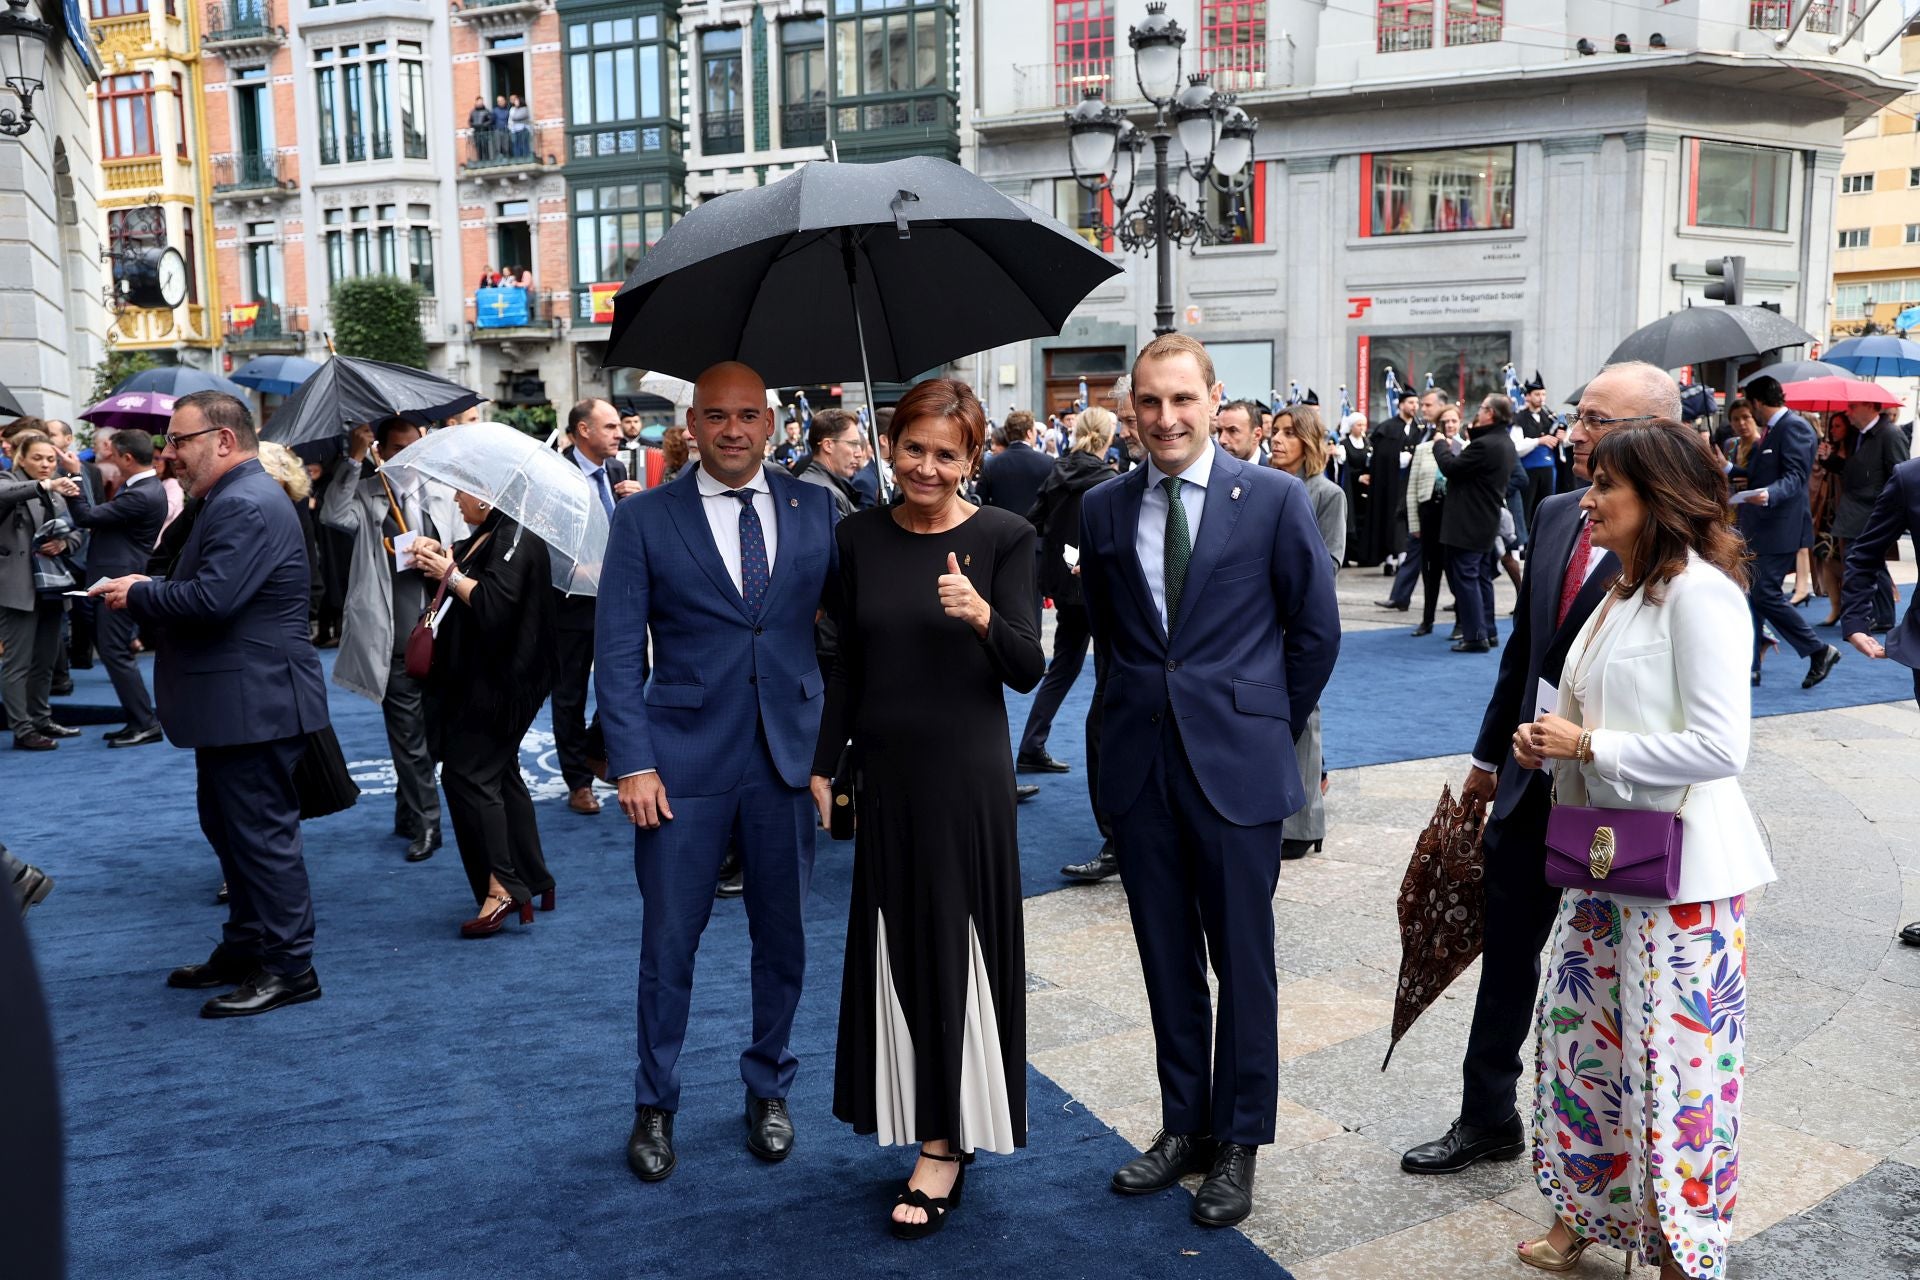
(1664, 689)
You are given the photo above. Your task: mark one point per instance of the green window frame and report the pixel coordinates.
(623, 77)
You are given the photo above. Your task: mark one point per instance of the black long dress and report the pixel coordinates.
(1356, 460)
(1387, 499)
(933, 1025)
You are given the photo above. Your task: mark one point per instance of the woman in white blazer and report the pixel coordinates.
(1642, 1022)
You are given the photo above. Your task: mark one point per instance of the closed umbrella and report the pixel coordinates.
(1824, 395)
(1878, 356)
(1796, 371)
(179, 380)
(537, 489)
(1701, 335)
(276, 375)
(142, 410)
(10, 404)
(349, 390)
(1442, 910)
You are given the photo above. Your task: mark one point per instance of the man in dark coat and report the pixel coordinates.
(124, 531)
(1477, 479)
(1874, 448)
(1012, 480)
(1772, 515)
(1400, 594)
(238, 681)
(1392, 442)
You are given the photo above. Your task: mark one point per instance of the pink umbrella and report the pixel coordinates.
(1824, 395)
(143, 410)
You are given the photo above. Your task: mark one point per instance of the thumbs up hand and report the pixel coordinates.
(960, 600)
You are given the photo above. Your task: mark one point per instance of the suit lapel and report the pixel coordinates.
(1216, 527)
(1589, 597)
(1126, 520)
(691, 519)
(786, 520)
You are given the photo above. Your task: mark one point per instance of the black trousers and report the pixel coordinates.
(570, 740)
(1768, 603)
(1521, 906)
(250, 813)
(1070, 636)
(493, 821)
(416, 804)
(1471, 574)
(115, 636)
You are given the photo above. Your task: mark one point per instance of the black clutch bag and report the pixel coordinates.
(321, 778)
(841, 828)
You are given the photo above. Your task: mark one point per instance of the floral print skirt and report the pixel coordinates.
(1642, 1034)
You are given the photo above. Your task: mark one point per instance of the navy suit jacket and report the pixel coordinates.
(1252, 647)
(237, 666)
(1780, 464)
(866, 483)
(718, 670)
(1895, 512)
(124, 529)
(1012, 480)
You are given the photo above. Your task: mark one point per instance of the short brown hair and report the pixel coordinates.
(947, 398)
(1018, 426)
(828, 424)
(21, 441)
(673, 446)
(1684, 491)
(1302, 422)
(1173, 344)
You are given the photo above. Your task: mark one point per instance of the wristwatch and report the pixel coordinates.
(454, 578)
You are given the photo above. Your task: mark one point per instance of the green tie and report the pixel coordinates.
(1179, 548)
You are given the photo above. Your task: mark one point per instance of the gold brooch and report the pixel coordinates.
(1600, 856)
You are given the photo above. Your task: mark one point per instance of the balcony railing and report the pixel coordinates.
(272, 326)
(242, 22)
(1047, 86)
(512, 150)
(1825, 19)
(803, 124)
(723, 132)
(247, 171)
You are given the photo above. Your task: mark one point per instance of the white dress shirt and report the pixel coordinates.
(723, 518)
(596, 474)
(1150, 542)
(136, 478)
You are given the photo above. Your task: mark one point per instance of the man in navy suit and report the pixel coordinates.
(1774, 518)
(239, 682)
(1210, 598)
(726, 568)
(124, 531)
(1012, 480)
(1895, 512)
(1567, 577)
(866, 481)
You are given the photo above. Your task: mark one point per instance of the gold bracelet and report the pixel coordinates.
(1583, 751)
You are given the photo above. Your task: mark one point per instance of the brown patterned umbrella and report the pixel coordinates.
(1442, 910)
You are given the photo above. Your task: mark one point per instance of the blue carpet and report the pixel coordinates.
(453, 1108)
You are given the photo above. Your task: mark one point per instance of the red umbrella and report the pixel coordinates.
(1824, 395)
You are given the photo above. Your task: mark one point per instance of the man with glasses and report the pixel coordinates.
(238, 680)
(1772, 514)
(1566, 578)
(839, 449)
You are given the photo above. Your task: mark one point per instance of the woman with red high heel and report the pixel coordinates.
(493, 665)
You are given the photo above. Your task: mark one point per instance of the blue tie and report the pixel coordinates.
(755, 574)
(603, 489)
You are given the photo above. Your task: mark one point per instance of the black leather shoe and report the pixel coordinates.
(1911, 935)
(769, 1128)
(263, 993)
(1821, 667)
(1042, 763)
(1226, 1197)
(650, 1145)
(1467, 1144)
(138, 737)
(31, 887)
(222, 969)
(53, 730)
(1424, 629)
(1102, 866)
(33, 740)
(1025, 791)
(1393, 604)
(60, 689)
(1756, 679)
(732, 881)
(1171, 1157)
(1292, 850)
(223, 895)
(421, 847)
(1470, 646)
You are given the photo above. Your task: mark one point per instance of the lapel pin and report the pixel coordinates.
(1235, 495)
(967, 561)
(793, 502)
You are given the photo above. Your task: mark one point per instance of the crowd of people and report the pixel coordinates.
(745, 654)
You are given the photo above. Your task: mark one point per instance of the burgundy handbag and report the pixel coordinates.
(420, 639)
(1630, 851)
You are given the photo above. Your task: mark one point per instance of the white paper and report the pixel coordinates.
(1546, 699)
(1745, 495)
(1071, 554)
(433, 625)
(403, 549)
(98, 583)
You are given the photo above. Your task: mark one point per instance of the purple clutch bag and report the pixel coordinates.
(1630, 851)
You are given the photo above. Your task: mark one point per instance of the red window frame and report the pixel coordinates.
(1401, 26)
(1233, 43)
(185, 117)
(114, 90)
(1255, 197)
(1475, 21)
(1753, 201)
(1367, 231)
(1082, 48)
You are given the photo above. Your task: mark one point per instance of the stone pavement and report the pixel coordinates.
(1831, 1133)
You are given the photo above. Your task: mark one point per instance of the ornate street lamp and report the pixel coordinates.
(24, 41)
(1105, 149)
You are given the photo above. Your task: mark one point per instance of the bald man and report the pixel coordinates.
(725, 568)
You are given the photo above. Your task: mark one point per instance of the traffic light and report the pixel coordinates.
(1729, 275)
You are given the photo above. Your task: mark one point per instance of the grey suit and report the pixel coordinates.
(29, 625)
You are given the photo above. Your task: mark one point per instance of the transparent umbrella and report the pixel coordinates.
(537, 489)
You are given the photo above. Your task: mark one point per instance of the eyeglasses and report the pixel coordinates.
(173, 439)
(1590, 421)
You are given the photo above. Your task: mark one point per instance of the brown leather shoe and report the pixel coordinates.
(582, 800)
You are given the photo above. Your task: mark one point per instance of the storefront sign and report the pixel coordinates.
(1447, 302)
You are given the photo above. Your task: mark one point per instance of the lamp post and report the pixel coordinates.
(1105, 148)
(24, 41)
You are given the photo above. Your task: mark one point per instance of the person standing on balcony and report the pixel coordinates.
(480, 120)
(502, 121)
(520, 127)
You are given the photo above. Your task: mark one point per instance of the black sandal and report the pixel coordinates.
(935, 1209)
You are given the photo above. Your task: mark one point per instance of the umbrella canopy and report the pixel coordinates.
(349, 390)
(1824, 395)
(679, 392)
(941, 265)
(276, 375)
(1787, 371)
(536, 487)
(1879, 356)
(1442, 910)
(179, 380)
(145, 410)
(10, 404)
(1700, 335)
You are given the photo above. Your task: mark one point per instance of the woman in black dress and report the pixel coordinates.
(937, 615)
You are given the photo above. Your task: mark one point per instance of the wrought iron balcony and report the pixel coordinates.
(723, 132)
(251, 173)
(803, 124)
(242, 24)
(271, 329)
(508, 152)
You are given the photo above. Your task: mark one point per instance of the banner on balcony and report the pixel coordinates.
(243, 315)
(602, 296)
(500, 308)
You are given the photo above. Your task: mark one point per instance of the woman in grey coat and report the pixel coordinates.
(1299, 446)
(383, 603)
(31, 496)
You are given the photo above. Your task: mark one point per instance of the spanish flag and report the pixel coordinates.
(243, 315)
(602, 296)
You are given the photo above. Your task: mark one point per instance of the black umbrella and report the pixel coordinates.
(940, 264)
(1700, 335)
(179, 380)
(10, 404)
(350, 390)
(1798, 371)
